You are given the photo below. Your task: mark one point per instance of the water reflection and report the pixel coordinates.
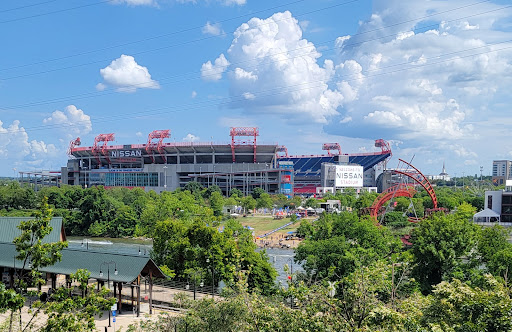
(279, 258)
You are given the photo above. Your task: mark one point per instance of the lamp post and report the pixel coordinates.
(165, 177)
(462, 185)
(108, 279)
(213, 275)
(290, 277)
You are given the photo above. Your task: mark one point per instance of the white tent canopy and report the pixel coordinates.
(486, 215)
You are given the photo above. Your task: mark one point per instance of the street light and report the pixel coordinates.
(290, 277)
(165, 178)
(108, 279)
(213, 275)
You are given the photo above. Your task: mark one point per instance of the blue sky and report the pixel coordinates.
(432, 76)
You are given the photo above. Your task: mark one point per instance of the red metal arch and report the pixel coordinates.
(400, 190)
(420, 179)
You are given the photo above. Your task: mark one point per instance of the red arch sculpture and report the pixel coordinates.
(403, 190)
(400, 190)
(420, 179)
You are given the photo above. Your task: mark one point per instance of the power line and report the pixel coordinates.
(225, 101)
(223, 34)
(27, 6)
(150, 38)
(55, 11)
(159, 48)
(112, 90)
(233, 99)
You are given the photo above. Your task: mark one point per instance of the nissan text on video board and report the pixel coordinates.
(349, 176)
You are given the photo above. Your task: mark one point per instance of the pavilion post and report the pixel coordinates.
(150, 292)
(54, 281)
(120, 285)
(131, 285)
(138, 295)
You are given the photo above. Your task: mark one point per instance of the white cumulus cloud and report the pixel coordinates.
(127, 75)
(191, 138)
(72, 121)
(213, 72)
(20, 151)
(417, 86)
(274, 61)
(213, 29)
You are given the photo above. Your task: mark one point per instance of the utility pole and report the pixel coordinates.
(463, 185)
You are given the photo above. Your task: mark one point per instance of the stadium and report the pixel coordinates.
(243, 164)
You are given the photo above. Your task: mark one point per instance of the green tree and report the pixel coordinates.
(124, 223)
(256, 192)
(365, 200)
(264, 201)
(207, 193)
(248, 203)
(237, 192)
(31, 250)
(217, 203)
(193, 186)
(456, 306)
(311, 202)
(75, 313)
(395, 219)
(439, 243)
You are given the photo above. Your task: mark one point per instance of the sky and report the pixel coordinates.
(431, 77)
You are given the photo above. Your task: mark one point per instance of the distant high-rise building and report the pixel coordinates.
(501, 171)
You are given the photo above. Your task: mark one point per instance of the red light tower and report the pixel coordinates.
(383, 145)
(72, 144)
(243, 132)
(158, 146)
(283, 150)
(96, 149)
(332, 146)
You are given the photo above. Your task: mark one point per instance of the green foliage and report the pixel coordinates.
(248, 203)
(256, 193)
(193, 187)
(395, 219)
(236, 192)
(311, 202)
(207, 193)
(365, 200)
(337, 243)
(439, 244)
(216, 203)
(456, 306)
(306, 229)
(188, 247)
(10, 300)
(30, 247)
(75, 313)
(264, 201)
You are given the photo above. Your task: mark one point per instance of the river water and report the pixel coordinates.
(277, 257)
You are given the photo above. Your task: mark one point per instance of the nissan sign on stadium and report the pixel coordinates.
(349, 176)
(125, 153)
